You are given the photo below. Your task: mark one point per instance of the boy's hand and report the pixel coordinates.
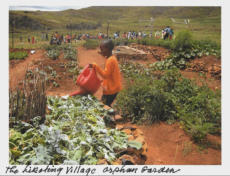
(92, 65)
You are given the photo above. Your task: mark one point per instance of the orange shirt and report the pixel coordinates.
(111, 76)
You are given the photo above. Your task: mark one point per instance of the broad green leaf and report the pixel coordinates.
(135, 144)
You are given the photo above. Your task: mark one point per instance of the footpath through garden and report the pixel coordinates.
(166, 144)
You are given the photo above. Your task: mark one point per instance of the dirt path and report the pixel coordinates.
(17, 69)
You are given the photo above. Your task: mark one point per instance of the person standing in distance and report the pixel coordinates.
(111, 74)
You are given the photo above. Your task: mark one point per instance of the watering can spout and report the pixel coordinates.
(81, 91)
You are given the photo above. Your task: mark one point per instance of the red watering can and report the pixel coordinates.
(88, 82)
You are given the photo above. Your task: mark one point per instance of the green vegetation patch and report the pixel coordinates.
(54, 51)
(91, 44)
(170, 97)
(74, 132)
(18, 55)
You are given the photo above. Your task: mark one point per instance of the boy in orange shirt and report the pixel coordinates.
(111, 74)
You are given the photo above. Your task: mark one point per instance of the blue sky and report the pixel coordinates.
(45, 8)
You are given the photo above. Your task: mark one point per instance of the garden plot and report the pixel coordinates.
(126, 52)
(74, 132)
(156, 150)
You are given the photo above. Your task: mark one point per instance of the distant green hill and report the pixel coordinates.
(95, 19)
(99, 15)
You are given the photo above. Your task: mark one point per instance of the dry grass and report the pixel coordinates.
(29, 101)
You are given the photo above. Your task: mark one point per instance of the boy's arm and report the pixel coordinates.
(104, 73)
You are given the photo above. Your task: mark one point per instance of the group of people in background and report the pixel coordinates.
(68, 38)
(134, 35)
(166, 33)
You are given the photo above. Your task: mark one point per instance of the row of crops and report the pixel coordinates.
(54, 51)
(67, 68)
(73, 132)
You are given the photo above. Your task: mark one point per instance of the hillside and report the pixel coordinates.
(100, 15)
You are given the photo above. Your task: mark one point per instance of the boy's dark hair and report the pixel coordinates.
(108, 44)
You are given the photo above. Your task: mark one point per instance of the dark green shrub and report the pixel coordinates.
(183, 41)
(142, 101)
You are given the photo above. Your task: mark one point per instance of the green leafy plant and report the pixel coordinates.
(74, 132)
(70, 54)
(18, 55)
(53, 53)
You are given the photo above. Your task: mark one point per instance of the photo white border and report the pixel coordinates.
(223, 169)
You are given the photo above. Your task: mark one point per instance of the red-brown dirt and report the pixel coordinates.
(167, 144)
(17, 69)
(204, 72)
